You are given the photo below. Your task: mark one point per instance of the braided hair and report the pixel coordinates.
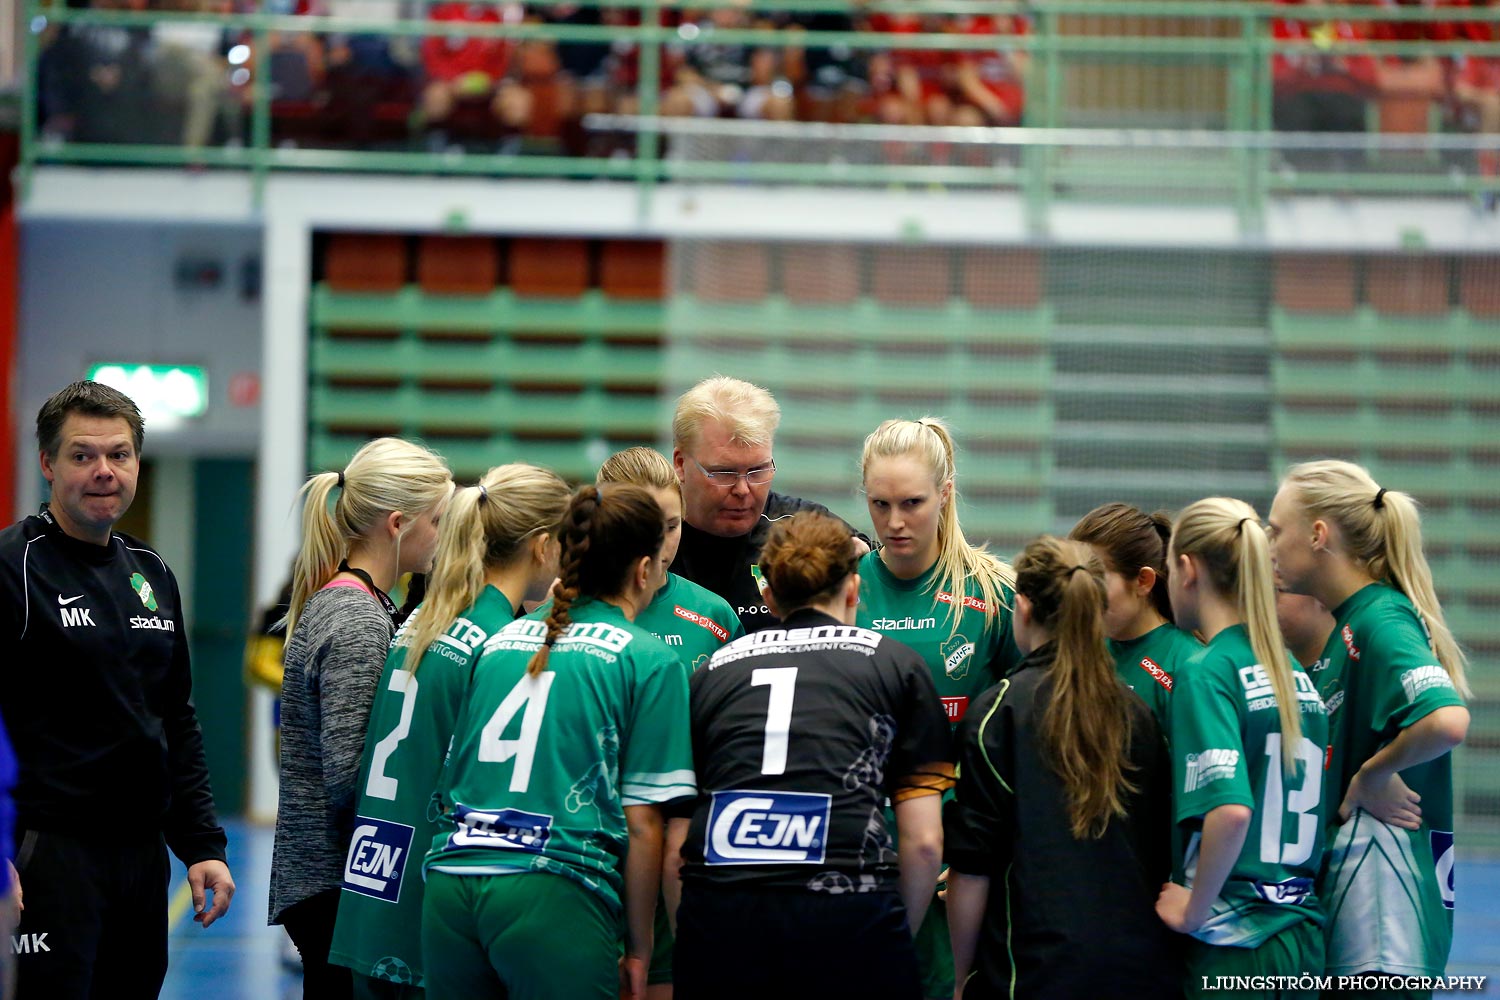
(605, 532)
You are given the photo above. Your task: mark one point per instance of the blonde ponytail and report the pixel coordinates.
(1226, 537)
(386, 475)
(1382, 532)
(483, 528)
(323, 544)
(929, 441)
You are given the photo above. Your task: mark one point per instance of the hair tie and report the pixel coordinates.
(341, 480)
(1380, 498)
(1080, 566)
(1241, 526)
(484, 494)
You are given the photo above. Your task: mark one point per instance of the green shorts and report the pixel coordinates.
(532, 936)
(1297, 950)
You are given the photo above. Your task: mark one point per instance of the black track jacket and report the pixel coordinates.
(97, 692)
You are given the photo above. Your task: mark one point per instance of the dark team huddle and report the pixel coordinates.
(1150, 759)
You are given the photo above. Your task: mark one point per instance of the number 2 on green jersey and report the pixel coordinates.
(1301, 802)
(382, 785)
(530, 692)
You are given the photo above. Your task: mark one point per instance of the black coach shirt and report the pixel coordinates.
(729, 566)
(98, 690)
(1079, 916)
(799, 734)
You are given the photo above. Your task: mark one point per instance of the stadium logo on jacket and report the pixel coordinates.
(750, 827)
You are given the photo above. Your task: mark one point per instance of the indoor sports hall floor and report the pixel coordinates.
(239, 958)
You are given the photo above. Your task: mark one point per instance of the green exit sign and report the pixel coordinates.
(165, 393)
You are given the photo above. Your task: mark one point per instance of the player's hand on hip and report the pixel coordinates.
(214, 877)
(1384, 796)
(1172, 906)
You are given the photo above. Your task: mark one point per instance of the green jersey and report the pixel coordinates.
(1226, 750)
(1389, 891)
(543, 767)
(966, 653)
(691, 621)
(1148, 663)
(411, 722)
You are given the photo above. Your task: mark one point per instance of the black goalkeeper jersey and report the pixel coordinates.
(800, 732)
(98, 690)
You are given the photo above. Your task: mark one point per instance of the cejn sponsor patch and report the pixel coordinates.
(747, 827)
(1157, 673)
(720, 632)
(504, 829)
(1209, 766)
(955, 708)
(377, 858)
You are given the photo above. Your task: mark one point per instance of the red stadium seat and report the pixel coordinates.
(360, 262)
(1478, 289)
(1407, 286)
(732, 272)
(820, 273)
(1002, 279)
(633, 269)
(1314, 283)
(912, 276)
(458, 265)
(549, 268)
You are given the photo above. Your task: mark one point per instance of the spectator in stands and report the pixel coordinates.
(720, 78)
(989, 84)
(910, 85)
(93, 80)
(1410, 86)
(190, 77)
(830, 81)
(367, 70)
(1321, 90)
(1476, 93)
(468, 89)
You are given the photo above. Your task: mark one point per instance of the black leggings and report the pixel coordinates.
(310, 924)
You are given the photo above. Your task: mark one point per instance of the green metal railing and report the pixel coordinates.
(1235, 40)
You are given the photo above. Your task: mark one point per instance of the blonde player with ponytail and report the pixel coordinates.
(1059, 834)
(1394, 681)
(362, 528)
(573, 736)
(1249, 734)
(497, 546)
(929, 588)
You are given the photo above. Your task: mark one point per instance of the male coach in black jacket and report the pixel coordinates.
(98, 702)
(722, 432)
